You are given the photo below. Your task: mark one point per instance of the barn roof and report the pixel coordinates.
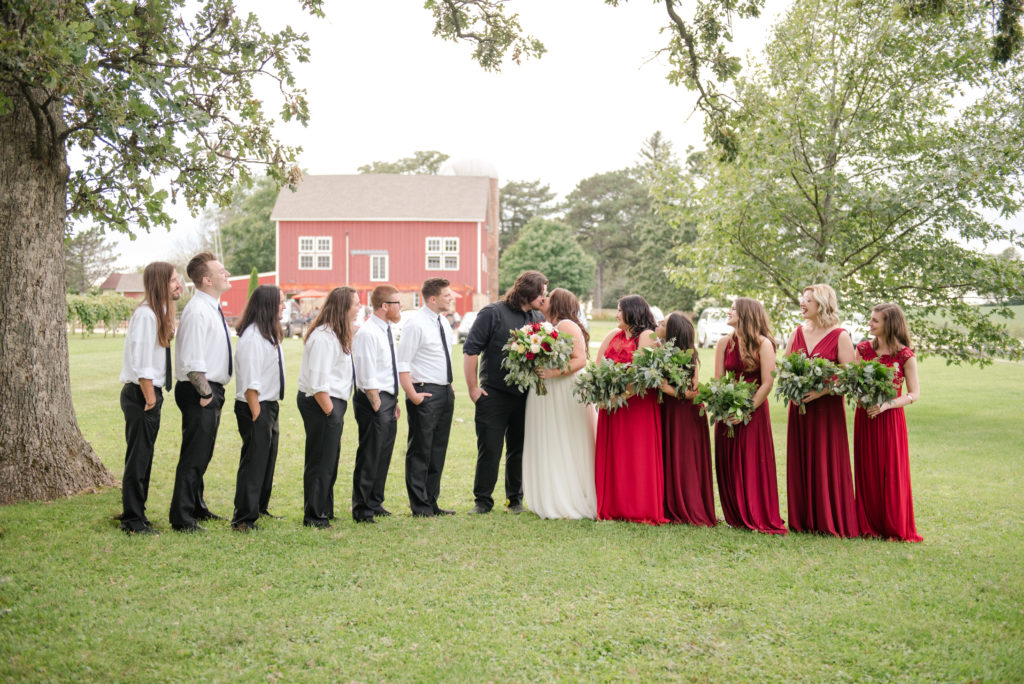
(123, 282)
(381, 196)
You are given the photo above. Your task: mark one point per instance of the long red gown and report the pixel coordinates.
(818, 476)
(627, 460)
(686, 446)
(881, 459)
(745, 463)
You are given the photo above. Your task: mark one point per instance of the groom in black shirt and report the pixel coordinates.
(500, 409)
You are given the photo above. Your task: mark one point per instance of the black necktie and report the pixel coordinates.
(227, 336)
(394, 366)
(280, 370)
(444, 345)
(167, 368)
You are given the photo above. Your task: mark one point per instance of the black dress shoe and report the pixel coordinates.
(318, 524)
(424, 515)
(268, 514)
(382, 513)
(209, 515)
(516, 508)
(444, 511)
(244, 527)
(188, 529)
(479, 510)
(147, 530)
(366, 520)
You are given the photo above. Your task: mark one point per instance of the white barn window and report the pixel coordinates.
(442, 253)
(378, 267)
(315, 253)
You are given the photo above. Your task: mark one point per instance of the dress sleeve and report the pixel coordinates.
(905, 355)
(865, 351)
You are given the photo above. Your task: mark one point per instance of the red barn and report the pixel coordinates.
(232, 302)
(372, 229)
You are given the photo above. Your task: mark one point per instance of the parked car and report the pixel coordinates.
(784, 324)
(293, 322)
(712, 326)
(857, 327)
(462, 332)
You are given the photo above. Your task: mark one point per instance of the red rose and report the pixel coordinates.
(554, 334)
(530, 355)
(545, 346)
(536, 327)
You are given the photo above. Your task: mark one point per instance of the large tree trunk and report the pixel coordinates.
(42, 452)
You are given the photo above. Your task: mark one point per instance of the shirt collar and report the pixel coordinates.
(379, 322)
(206, 299)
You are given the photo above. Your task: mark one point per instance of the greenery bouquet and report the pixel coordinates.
(797, 374)
(604, 384)
(866, 383)
(726, 397)
(533, 346)
(662, 363)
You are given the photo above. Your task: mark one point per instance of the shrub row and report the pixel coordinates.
(86, 311)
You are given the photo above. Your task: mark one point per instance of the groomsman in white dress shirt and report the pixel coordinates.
(425, 373)
(203, 352)
(376, 403)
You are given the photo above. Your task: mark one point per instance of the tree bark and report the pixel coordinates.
(43, 454)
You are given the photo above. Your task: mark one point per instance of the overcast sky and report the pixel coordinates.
(381, 87)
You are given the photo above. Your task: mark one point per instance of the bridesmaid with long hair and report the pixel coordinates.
(818, 476)
(259, 386)
(881, 454)
(685, 444)
(745, 462)
(325, 384)
(558, 444)
(628, 470)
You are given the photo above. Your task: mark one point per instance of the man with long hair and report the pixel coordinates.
(500, 408)
(376, 404)
(425, 373)
(145, 371)
(204, 366)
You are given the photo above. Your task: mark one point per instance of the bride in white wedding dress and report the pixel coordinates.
(558, 448)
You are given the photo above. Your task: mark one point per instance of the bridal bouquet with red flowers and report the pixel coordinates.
(533, 346)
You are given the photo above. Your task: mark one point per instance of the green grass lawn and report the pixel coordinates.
(504, 597)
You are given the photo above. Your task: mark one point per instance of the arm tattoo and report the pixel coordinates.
(199, 381)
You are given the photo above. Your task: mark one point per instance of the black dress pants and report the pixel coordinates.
(377, 430)
(199, 426)
(323, 449)
(255, 479)
(500, 417)
(430, 424)
(140, 431)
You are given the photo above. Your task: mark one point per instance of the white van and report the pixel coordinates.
(712, 326)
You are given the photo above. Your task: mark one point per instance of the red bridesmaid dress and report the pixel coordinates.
(627, 461)
(881, 459)
(686, 444)
(818, 474)
(745, 463)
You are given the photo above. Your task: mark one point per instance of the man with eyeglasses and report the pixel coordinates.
(376, 403)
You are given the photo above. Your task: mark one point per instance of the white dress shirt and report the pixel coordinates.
(372, 355)
(201, 343)
(256, 366)
(325, 366)
(143, 356)
(420, 354)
